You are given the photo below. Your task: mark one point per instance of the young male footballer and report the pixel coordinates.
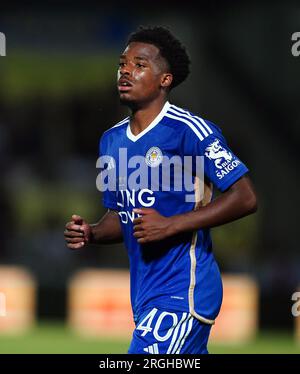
(176, 287)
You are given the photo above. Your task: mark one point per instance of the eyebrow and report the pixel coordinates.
(144, 58)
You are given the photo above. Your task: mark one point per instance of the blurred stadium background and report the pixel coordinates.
(57, 96)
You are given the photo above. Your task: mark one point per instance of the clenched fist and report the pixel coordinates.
(77, 233)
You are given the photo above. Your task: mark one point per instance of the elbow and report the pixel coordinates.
(246, 196)
(250, 203)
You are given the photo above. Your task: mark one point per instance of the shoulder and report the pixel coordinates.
(117, 128)
(192, 125)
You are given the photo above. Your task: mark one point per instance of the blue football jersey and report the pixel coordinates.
(179, 273)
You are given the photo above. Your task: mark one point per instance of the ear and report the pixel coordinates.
(166, 80)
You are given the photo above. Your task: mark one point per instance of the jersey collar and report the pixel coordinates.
(155, 122)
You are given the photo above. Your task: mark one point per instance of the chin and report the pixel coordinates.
(125, 100)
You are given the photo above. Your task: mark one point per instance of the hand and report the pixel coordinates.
(151, 226)
(77, 232)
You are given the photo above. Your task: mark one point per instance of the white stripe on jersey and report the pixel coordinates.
(186, 334)
(181, 336)
(118, 124)
(199, 122)
(190, 118)
(193, 260)
(121, 122)
(187, 123)
(175, 333)
(152, 349)
(193, 116)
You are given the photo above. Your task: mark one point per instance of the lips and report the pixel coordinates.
(124, 85)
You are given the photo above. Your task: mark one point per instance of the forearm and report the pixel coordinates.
(231, 205)
(107, 230)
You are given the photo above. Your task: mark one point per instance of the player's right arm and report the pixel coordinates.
(78, 233)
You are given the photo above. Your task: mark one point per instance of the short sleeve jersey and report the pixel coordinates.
(178, 273)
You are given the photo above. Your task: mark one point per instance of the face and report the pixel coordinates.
(143, 74)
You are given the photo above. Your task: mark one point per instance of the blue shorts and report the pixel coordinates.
(159, 331)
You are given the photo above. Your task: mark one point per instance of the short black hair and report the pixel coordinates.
(171, 49)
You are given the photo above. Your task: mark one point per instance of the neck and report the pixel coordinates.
(142, 117)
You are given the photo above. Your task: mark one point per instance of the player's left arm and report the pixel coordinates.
(238, 201)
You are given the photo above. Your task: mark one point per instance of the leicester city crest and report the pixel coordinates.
(153, 157)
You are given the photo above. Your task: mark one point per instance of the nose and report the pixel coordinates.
(125, 70)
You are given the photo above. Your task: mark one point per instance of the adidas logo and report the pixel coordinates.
(152, 349)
